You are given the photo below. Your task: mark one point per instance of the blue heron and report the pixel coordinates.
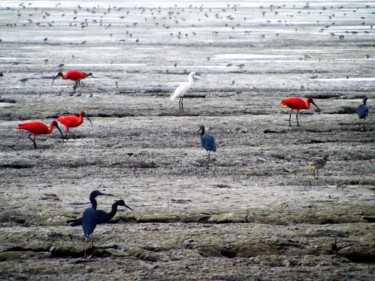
(208, 142)
(182, 89)
(94, 205)
(91, 217)
(363, 109)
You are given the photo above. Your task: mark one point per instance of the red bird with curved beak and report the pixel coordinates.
(72, 121)
(38, 128)
(73, 75)
(298, 104)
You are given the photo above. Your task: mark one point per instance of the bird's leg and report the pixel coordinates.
(208, 159)
(85, 255)
(33, 140)
(297, 117)
(74, 88)
(181, 105)
(290, 117)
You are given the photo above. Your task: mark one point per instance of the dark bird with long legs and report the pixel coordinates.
(207, 141)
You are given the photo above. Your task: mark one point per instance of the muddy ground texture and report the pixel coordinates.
(256, 213)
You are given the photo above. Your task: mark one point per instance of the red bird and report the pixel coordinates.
(73, 75)
(297, 104)
(72, 121)
(38, 128)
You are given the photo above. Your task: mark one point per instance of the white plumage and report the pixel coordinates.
(182, 89)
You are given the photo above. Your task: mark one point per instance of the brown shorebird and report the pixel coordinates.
(317, 164)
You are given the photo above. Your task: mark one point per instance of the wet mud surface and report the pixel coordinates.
(257, 212)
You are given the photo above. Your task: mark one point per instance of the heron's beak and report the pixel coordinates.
(197, 77)
(128, 207)
(312, 101)
(106, 194)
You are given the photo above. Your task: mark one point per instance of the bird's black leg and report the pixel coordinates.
(297, 117)
(208, 159)
(33, 140)
(181, 104)
(74, 88)
(290, 117)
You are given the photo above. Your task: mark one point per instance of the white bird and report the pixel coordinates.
(183, 89)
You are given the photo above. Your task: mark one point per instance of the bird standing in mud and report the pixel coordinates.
(297, 104)
(317, 164)
(363, 109)
(72, 121)
(94, 205)
(207, 141)
(182, 89)
(38, 128)
(73, 75)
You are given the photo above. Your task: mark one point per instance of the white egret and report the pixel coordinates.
(183, 89)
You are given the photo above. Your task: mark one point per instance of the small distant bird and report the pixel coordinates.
(72, 121)
(297, 104)
(183, 89)
(38, 128)
(207, 141)
(73, 75)
(363, 109)
(317, 164)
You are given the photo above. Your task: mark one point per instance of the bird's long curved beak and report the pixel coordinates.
(90, 121)
(54, 79)
(58, 128)
(315, 105)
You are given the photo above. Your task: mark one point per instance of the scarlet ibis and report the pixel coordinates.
(182, 89)
(38, 128)
(298, 104)
(363, 109)
(317, 164)
(73, 75)
(72, 121)
(207, 141)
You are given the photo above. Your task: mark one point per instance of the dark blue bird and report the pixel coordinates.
(208, 142)
(92, 217)
(94, 205)
(104, 217)
(363, 109)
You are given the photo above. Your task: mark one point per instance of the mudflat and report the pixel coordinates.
(256, 212)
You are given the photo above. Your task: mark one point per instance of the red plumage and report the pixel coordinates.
(73, 75)
(38, 128)
(297, 104)
(72, 121)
